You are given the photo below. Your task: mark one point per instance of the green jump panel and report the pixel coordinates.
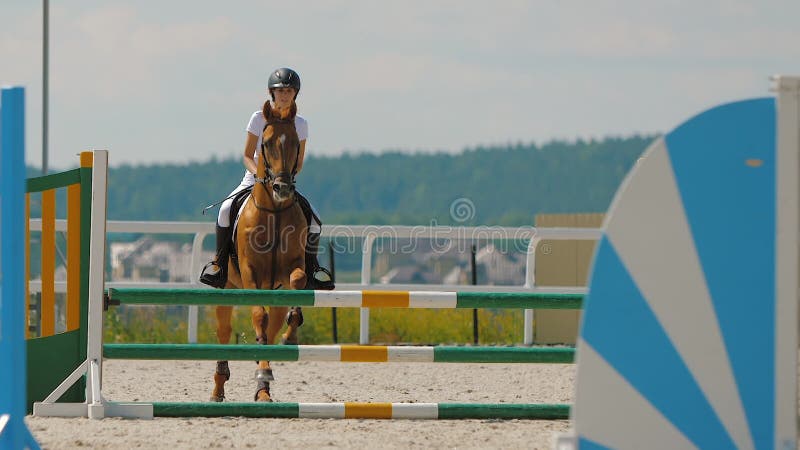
(504, 355)
(50, 360)
(212, 352)
(519, 300)
(267, 410)
(238, 297)
(53, 181)
(503, 411)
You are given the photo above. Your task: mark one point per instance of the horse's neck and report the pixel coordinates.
(262, 194)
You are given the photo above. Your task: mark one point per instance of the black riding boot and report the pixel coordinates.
(215, 273)
(318, 277)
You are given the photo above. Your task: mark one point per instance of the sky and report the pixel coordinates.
(176, 81)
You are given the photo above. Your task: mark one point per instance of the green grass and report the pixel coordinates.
(387, 326)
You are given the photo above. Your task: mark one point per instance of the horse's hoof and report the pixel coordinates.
(264, 375)
(263, 396)
(287, 341)
(295, 312)
(217, 398)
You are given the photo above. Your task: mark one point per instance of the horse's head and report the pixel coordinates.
(280, 150)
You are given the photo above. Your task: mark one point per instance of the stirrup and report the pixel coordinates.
(315, 283)
(217, 280)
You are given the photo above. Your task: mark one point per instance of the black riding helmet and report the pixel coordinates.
(284, 77)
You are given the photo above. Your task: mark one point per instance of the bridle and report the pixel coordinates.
(271, 175)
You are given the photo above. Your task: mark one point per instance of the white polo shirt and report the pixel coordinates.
(256, 128)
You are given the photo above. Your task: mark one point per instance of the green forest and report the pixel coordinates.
(507, 184)
(503, 185)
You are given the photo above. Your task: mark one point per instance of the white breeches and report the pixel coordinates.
(224, 217)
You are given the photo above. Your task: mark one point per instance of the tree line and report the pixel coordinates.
(486, 185)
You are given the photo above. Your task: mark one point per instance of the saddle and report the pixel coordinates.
(241, 198)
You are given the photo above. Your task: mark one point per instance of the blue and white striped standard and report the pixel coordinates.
(678, 347)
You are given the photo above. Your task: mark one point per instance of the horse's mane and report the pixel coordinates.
(270, 113)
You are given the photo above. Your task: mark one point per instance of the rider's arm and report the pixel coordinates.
(301, 156)
(249, 153)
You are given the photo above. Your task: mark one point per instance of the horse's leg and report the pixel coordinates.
(259, 319)
(274, 326)
(222, 373)
(297, 280)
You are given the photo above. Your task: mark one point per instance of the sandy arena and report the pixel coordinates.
(191, 381)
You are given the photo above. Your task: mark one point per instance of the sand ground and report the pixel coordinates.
(191, 381)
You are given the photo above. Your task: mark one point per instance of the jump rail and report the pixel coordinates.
(344, 299)
(364, 410)
(342, 353)
(347, 410)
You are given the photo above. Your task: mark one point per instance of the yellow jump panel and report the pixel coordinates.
(48, 305)
(368, 410)
(87, 159)
(385, 299)
(358, 353)
(73, 257)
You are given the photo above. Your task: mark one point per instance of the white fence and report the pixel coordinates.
(367, 234)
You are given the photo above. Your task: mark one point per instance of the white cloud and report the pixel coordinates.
(177, 80)
(116, 54)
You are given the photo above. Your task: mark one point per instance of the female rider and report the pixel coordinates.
(283, 87)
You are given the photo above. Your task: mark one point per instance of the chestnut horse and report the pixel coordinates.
(270, 242)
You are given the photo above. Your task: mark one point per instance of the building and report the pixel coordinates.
(147, 259)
